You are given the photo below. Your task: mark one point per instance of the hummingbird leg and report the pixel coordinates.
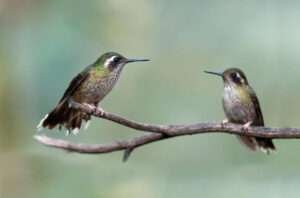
(99, 111)
(246, 126)
(224, 122)
(94, 109)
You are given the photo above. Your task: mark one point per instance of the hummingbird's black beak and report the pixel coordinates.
(136, 60)
(214, 73)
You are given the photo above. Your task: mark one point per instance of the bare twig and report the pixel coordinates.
(160, 132)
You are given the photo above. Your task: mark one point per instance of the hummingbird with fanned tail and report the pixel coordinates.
(88, 88)
(241, 106)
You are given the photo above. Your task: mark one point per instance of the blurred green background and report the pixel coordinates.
(43, 44)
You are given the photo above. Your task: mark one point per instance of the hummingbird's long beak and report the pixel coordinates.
(136, 60)
(214, 73)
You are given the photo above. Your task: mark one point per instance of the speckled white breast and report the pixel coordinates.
(234, 109)
(94, 89)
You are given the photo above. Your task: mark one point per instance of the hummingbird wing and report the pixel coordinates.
(75, 83)
(265, 144)
(259, 119)
(62, 115)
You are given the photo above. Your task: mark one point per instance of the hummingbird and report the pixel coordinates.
(241, 106)
(89, 88)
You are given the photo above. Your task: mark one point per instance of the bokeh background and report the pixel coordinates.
(43, 44)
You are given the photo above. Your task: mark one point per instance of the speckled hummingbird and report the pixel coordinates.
(241, 106)
(89, 88)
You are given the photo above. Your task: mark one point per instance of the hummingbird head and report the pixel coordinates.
(114, 61)
(232, 77)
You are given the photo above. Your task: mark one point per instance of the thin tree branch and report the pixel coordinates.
(100, 113)
(160, 132)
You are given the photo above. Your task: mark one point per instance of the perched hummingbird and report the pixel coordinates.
(241, 106)
(89, 87)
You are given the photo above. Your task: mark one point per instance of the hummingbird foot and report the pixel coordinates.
(246, 126)
(91, 108)
(94, 110)
(224, 122)
(77, 105)
(100, 111)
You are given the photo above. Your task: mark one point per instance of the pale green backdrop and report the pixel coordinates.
(43, 44)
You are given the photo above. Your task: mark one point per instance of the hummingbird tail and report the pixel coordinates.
(64, 116)
(264, 144)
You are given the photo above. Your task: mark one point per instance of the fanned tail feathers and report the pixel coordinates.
(253, 143)
(64, 116)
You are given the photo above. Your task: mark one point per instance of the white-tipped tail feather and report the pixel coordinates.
(40, 125)
(267, 150)
(75, 131)
(87, 124)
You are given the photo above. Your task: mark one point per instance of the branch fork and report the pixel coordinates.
(158, 133)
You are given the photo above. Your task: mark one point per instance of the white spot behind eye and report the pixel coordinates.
(240, 78)
(109, 61)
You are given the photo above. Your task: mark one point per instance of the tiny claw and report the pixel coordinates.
(92, 109)
(89, 105)
(224, 122)
(99, 111)
(246, 126)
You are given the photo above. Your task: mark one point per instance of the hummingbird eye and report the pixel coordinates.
(117, 59)
(113, 62)
(236, 78)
